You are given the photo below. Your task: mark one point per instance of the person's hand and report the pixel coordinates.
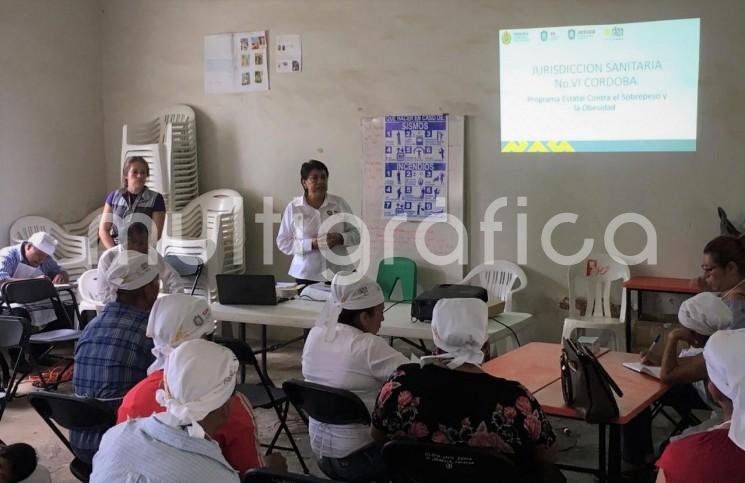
(60, 278)
(275, 462)
(699, 283)
(648, 359)
(681, 333)
(333, 239)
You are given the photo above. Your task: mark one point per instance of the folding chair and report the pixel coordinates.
(264, 475)
(328, 405)
(31, 291)
(410, 461)
(187, 267)
(74, 414)
(264, 395)
(14, 333)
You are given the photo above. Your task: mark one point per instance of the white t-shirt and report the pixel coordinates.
(356, 361)
(169, 278)
(301, 223)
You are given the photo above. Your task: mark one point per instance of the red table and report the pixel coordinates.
(652, 284)
(537, 365)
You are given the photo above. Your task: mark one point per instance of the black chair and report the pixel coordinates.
(33, 293)
(410, 461)
(74, 414)
(14, 333)
(264, 395)
(268, 476)
(327, 404)
(187, 267)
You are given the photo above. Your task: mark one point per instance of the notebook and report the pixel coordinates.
(653, 371)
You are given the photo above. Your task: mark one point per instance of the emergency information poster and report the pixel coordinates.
(416, 154)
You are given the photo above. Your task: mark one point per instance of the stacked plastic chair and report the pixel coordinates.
(169, 145)
(88, 227)
(72, 251)
(210, 228)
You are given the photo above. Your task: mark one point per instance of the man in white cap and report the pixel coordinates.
(719, 453)
(113, 353)
(175, 319)
(31, 258)
(343, 351)
(178, 445)
(448, 399)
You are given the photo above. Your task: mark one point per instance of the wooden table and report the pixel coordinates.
(536, 366)
(652, 284)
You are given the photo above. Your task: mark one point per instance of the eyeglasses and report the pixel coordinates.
(708, 269)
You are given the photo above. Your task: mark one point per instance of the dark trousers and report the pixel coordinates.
(365, 464)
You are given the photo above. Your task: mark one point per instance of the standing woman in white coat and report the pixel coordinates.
(300, 235)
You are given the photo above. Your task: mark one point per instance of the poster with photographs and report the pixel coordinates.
(289, 54)
(416, 159)
(236, 62)
(251, 66)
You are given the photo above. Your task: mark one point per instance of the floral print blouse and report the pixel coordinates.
(440, 405)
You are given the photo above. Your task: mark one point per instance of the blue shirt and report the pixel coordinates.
(147, 450)
(11, 256)
(111, 356)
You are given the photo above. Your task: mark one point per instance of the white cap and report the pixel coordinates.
(348, 291)
(459, 330)
(726, 369)
(705, 314)
(44, 242)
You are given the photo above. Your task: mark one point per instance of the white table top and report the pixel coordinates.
(302, 314)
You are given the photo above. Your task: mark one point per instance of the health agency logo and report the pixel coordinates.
(549, 35)
(613, 33)
(582, 34)
(514, 37)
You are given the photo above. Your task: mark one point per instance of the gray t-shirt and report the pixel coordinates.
(738, 312)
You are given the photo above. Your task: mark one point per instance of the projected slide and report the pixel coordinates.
(599, 88)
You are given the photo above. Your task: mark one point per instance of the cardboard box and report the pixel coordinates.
(496, 309)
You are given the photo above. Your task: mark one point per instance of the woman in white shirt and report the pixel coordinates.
(300, 235)
(343, 351)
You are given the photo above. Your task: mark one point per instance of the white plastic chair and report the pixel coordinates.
(211, 228)
(88, 227)
(72, 251)
(88, 290)
(498, 278)
(598, 272)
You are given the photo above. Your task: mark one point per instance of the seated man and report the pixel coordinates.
(448, 399)
(174, 320)
(344, 351)
(113, 353)
(716, 455)
(178, 445)
(31, 258)
(137, 240)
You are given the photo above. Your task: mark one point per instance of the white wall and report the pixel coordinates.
(51, 132)
(367, 58)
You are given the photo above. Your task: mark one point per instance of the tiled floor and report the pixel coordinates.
(21, 423)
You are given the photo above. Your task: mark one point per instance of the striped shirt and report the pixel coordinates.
(11, 256)
(147, 450)
(124, 204)
(112, 355)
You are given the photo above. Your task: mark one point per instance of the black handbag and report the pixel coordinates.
(586, 385)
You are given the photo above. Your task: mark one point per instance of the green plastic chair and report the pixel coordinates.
(402, 270)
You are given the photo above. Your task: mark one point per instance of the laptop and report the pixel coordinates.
(241, 289)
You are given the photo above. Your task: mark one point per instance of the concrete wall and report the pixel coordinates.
(368, 58)
(51, 120)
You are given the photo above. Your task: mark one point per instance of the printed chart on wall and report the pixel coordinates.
(236, 62)
(416, 160)
(409, 235)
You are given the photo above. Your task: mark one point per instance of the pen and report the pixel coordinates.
(654, 342)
